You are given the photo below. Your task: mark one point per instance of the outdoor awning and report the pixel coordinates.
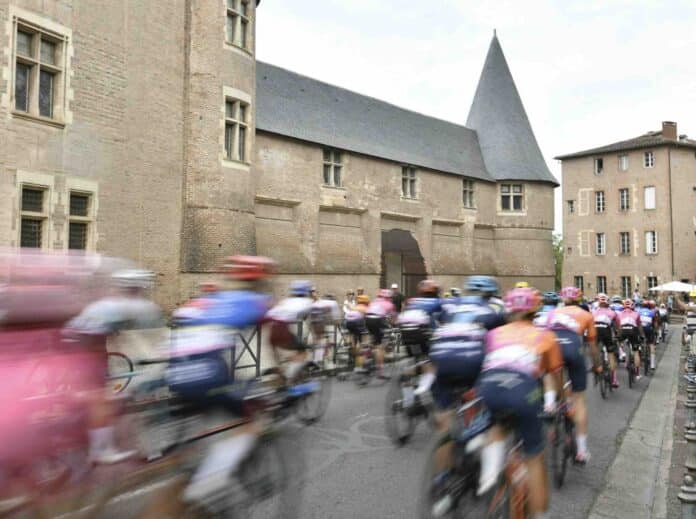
(674, 286)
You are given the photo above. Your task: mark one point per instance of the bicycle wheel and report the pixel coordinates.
(271, 480)
(398, 421)
(603, 383)
(453, 496)
(120, 371)
(312, 406)
(558, 467)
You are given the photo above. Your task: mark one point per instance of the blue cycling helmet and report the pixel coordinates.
(300, 288)
(482, 284)
(551, 298)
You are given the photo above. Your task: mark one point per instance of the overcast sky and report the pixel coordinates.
(589, 73)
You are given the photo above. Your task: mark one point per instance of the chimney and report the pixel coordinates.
(669, 130)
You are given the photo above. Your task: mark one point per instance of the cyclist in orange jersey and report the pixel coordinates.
(570, 323)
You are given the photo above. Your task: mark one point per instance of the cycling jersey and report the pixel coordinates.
(517, 356)
(647, 317)
(574, 319)
(629, 324)
(457, 351)
(521, 347)
(489, 313)
(617, 307)
(383, 308)
(417, 323)
(604, 321)
(289, 311)
(569, 324)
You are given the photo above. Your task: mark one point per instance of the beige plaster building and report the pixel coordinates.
(155, 134)
(630, 213)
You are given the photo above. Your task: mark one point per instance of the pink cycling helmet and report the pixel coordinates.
(573, 294)
(522, 300)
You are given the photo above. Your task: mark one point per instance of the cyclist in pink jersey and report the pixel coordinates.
(605, 319)
(379, 315)
(630, 327)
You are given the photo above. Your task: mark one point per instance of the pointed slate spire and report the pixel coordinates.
(510, 150)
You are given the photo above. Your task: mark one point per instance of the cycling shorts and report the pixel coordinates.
(630, 333)
(447, 390)
(605, 336)
(506, 391)
(571, 348)
(356, 328)
(282, 337)
(376, 325)
(649, 334)
(416, 338)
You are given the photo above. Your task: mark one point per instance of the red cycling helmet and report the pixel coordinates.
(384, 293)
(627, 303)
(572, 294)
(603, 299)
(249, 268)
(522, 300)
(428, 286)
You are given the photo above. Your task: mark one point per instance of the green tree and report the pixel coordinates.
(558, 259)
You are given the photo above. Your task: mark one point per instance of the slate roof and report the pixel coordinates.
(510, 150)
(648, 140)
(296, 106)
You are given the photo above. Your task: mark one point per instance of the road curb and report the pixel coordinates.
(636, 482)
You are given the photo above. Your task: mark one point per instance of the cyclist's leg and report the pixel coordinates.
(571, 344)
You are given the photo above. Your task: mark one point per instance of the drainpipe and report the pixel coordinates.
(671, 213)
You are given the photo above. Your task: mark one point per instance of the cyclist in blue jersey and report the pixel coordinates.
(198, 370)
(550, 301)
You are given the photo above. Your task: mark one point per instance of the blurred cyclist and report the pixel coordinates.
(127, 309)
(324, 313)
(570, 323)
(355, 324)
(380, 315)
(605, 318)
(518, 355)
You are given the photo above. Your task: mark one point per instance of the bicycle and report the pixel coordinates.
(402, 409)
(603, 379)
(561, 440)
(452, 494)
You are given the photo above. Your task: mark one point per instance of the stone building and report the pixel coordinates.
(156, 135)
(630, 213)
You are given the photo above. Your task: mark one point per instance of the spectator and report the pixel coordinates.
(670, 303)
(636, 295)
(349, 302)
(397, 298)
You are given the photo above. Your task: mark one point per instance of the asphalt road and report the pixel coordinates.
(355, 472)
(351, 469)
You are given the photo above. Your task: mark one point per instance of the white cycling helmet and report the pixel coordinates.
(133, 278)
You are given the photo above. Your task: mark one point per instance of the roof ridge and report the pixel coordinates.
(344, 89)
(645, 140)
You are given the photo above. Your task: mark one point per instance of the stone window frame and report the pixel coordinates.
(626, 286)
(409, 183)
(598, 165)
(601, 284)
(652, 281)
(579, 282)
(507, 192)
(623, 161)
(236, 123)
(645, 198)
(624, 201)
(62, 94)
(624, 243)
(87, 219)
(571, 206)
(600, 202)
(332, 163)
(651, 248)
(238, 19)
(600, 244)
(468, 193)
(648, 159)
(42, 216)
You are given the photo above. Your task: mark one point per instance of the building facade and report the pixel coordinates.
(630, 213)
(156, 135)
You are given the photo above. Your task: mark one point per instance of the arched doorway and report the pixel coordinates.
(402, 261)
